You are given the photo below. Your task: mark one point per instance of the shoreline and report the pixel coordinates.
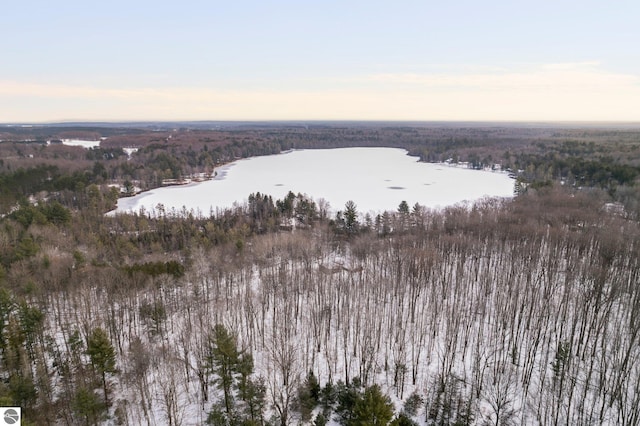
(224, 168)
(319, 188)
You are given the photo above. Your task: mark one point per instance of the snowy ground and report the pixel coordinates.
(488, 327)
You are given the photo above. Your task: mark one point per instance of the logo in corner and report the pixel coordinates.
(10, 415)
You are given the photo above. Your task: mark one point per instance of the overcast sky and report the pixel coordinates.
(320, 60)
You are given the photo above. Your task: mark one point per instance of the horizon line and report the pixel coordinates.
(63, 122)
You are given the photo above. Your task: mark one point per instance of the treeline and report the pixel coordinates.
(50, 180)
(538, 156)
(580, 157)
(172, 160)
(601, 172)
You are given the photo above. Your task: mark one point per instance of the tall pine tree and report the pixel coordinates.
(103, 357)
(243, 396)
(223, 360)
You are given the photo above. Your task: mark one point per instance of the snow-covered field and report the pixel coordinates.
(376, 179)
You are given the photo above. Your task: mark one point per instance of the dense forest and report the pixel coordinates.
(279, 312)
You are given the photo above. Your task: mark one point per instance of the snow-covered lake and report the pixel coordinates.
(82, 143)
(376, 179)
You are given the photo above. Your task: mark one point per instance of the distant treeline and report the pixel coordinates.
(601, 158)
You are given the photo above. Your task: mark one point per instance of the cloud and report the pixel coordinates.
(556, 77)
(572, 91)
(66, 91)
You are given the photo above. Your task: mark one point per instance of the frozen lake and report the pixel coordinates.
(376, 179)
(82, 143)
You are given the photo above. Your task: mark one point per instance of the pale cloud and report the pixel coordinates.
(57, 91)
(571, 65)
(562, 77)
(575, 91)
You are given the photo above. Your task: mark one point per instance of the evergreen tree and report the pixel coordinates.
(88, 406)
(244, 367)
(31, 322)
(254, 397)
(417, 212)
(413, 404)
(217, 416)
(320, 420)
(327, 397)
(103, 356)
(403, 420)
(6, 307)
(22, 390)
(347, 396)
(23, 326)
(308, 396)
(286, 205)
(403, 208)
(56, 213)
(223, 359)
(350, 217)
(129, 189)
(305, 210)
(233, 369)
(252, 393)
(372, 409)
(403, 212)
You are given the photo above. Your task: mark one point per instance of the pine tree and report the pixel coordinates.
(19, 355)
(233, 368)
(351, 217)
(31, 323)
(403, 208)
(251, 392)
(403, 420)
(88, 406)
(223, 359)
(254, 397)
(403, 212)
(372, 408)
(320, 420)
(308, 396)
(347, 395)
(103, 356)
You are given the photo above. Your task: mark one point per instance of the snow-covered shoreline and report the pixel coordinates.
(376, 179)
